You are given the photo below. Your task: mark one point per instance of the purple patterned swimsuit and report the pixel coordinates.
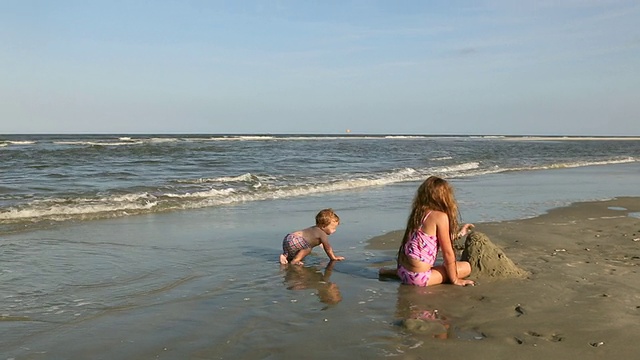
(422, 247)
(293, 243)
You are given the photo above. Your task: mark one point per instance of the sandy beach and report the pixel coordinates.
(581, 296)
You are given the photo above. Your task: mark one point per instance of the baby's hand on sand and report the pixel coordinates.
(297, 263)
(338, 258)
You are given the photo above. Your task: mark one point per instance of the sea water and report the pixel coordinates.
(48, 179)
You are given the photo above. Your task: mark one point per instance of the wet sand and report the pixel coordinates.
(203, 285)
(578, 293)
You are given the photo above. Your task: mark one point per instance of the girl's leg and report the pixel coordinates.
(439, 274)
(388, 272)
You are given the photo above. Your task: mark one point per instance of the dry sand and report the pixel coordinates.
(563, 284)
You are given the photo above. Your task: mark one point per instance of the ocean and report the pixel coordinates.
(165, 246)
(50, 179)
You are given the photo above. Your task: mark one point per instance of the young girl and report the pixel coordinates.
(433, 223)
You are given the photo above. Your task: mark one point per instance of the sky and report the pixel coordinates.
(453, 67)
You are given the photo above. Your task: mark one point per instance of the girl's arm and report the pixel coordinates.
(465, 230)
(448, 254)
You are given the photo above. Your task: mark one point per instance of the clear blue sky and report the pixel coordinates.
(538, 67)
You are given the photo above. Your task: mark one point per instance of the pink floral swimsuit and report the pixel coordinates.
(422, 247)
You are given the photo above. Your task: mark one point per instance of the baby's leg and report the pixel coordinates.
(297, 260)
(283, 259)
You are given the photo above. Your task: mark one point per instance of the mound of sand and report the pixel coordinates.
(487, 260)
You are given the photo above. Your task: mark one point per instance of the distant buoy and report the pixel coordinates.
(348, 131)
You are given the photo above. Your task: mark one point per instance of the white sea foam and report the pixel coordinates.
(585, 163)
(406, 137)
(64, 212)
(62, 209)
(212, 193)
(21, 142)
(453, 169)
(121, 141)
(308, 138)
(16, 142)
(163, 140)
(245, 138)
(244, 177)
(100, 143)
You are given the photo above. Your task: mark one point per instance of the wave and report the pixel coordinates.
(248, 188)
(129, 140)
(406, 137)
(588, 163)
(290, 138)
(120, 141)
(59, 209)
(241, 178)
(458, 168)
(99, 143)
(16, 142)
(575, 164)
(200, 193)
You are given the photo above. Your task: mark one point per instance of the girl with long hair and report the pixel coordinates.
(432, 225)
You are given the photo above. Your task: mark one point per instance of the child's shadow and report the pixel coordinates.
(298, 277)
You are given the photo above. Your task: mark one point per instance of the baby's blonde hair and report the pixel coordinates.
(325, 217)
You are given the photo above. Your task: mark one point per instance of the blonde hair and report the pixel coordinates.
(433, 194)
(325, 217)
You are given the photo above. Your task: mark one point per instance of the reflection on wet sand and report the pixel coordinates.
(302, 277)
(416, 315)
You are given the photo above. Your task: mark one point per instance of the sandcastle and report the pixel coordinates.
(487, 260)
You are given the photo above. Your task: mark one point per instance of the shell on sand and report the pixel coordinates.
(487, 260)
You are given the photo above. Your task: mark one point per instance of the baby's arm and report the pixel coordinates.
(324, 241)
